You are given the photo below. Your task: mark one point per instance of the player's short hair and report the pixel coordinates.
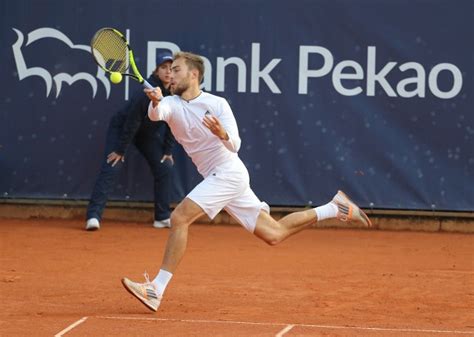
(193, 61)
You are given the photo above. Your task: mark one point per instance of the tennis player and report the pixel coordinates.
(206, 128)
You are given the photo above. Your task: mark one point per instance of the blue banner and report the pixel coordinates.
(372, 97)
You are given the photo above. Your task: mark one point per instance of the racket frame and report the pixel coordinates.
(131, 60)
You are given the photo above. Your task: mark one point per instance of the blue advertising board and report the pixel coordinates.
(372, 97)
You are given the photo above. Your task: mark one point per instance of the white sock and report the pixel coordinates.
(161, 280)
(327, 211)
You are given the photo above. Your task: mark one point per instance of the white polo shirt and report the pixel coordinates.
(226, 179)
(185, 120)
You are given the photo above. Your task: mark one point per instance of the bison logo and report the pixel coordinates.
(60, 78)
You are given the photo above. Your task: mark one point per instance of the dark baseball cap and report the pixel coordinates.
(163, 57)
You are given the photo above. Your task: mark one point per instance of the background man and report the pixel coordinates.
(154, 140)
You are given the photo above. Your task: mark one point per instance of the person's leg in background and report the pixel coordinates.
(104, 182)
(150, 146)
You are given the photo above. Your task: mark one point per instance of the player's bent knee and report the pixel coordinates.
(269, 230)
(272, 242)
(272, 238)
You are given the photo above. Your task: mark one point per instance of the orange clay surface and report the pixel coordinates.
(58, 280)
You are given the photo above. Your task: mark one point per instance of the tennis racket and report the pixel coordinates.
(112, 53)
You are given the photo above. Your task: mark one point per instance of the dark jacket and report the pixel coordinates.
(134, 121)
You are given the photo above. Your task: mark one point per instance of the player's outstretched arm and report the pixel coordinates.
(155, 95)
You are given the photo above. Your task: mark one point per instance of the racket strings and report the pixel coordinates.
(110, 51)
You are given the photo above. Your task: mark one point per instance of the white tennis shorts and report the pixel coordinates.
(227, 187)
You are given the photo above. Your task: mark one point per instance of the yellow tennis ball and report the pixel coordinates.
(115, 77)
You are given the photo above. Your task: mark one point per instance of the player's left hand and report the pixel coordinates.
(113, 158)
(214, 125)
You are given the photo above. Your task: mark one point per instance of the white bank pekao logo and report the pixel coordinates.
(348, 76)
(349, 70)
(58, 79)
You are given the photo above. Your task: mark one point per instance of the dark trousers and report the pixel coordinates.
(151, 148)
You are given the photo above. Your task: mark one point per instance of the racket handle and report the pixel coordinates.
(147, 85)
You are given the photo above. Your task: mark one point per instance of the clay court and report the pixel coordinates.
(59, 280)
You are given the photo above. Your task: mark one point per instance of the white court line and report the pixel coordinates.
(187, 320)
(293, 325)
(285, 330)
(69, 328)
(388, 329)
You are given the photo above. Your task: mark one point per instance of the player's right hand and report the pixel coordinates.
(155, 95)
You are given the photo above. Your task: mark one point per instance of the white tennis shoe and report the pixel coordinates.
(145, 292)
(347, 210)
(92, 224)
(162, 223)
